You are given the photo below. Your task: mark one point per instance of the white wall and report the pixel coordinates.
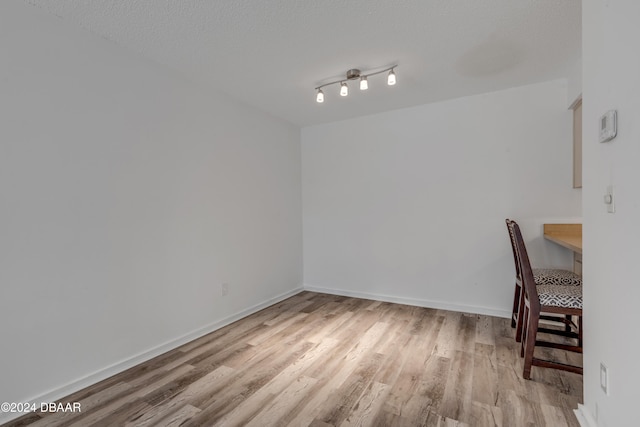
(611, 70)
(409, 205)
(574, 80)
(127, 197)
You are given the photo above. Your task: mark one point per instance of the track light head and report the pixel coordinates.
(364, 85)
(391, 78)
(344, 89)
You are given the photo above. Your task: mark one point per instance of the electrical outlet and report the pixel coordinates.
(224, 289)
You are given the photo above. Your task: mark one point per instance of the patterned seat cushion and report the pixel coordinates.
(556, 276)
(560, 296)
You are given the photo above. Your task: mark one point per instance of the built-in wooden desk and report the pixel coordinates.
(569, 236)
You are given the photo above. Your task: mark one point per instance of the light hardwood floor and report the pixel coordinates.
(325, 360)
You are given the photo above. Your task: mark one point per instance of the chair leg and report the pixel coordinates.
(516, 305)
(529, 343)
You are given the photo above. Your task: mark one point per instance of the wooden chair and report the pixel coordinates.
(542, 276)
(560, 300)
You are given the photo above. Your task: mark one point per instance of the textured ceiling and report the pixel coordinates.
(272, 53)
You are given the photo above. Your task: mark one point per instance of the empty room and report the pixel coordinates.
(319, 213)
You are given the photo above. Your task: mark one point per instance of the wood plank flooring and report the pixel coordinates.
(325, 360)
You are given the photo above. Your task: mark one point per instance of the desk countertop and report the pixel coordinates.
(567, 235)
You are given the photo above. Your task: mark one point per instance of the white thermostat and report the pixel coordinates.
(608, 126)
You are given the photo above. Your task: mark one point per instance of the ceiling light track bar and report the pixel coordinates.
(356, 77)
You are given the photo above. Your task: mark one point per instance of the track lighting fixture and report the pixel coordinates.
(355, 74)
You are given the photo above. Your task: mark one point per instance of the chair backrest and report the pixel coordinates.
(513, 247)
(528, 282)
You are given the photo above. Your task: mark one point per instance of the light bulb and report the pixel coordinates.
(391, 78)
(344, 89)
(320, 96)
(364, 85)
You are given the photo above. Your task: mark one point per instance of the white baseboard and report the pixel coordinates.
(584, 417)
(414, 301)
(109, 371)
